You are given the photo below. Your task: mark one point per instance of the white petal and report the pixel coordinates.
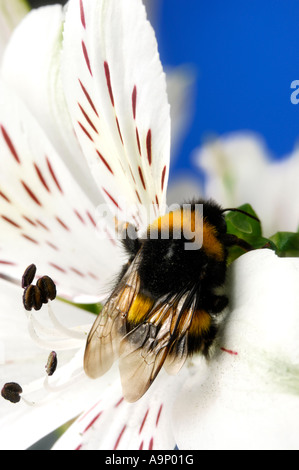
(248, 398)
(113, 424)
(44, 216)
(11, 13)
(116, 91)
(32, 68)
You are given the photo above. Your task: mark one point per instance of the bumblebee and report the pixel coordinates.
(166, 302)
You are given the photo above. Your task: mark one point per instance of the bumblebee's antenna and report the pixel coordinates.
(242, 212)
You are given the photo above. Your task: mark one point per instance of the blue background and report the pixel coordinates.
(246, 54)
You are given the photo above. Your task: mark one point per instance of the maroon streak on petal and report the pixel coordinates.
(143, 421)
(141, 178)
(149, 146)
(76, 271)
(151, 444)
(111, 198)
(59, 268)
(86, 57)
(117, 123)
(157, 200)
(138, 142)
(82, 14)
(134, 101)
(10, 145)
(88, 119)
(119, 402)
(88, 98)
(159, 414)
(8, 263)
(4, 197)
(163, 178)
(92, 422)
(105, 162)
(31, 194)
(32, 240)
(54, 175)
(108, 79)
(31, 222)
(138, 197)
(229, 351)
(41, 177)
(63, 225)
(51, 245)
(79, 216)
(119, 437)
(85, 131)
(141, 446)
(91, 219)
(10, 221)
(43, 225)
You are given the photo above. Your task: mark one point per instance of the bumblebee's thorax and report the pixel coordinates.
(183, 249)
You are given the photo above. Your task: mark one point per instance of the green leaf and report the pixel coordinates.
(287, 243)
(245, 227)
(91, 308)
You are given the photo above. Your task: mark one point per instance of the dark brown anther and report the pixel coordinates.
(47, 288)
(52, 363)
(32, 298)
(28, 275)
(11, 392)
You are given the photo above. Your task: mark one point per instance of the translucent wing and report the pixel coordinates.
(160, 340)
(104, 338)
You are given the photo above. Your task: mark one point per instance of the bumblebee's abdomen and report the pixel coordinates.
(201, 333)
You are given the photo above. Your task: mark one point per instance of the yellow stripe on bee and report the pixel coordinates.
(139, 308)
(201, 323)
(188, 222)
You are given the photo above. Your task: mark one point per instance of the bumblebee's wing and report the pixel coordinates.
(104, 338)
(145, 349)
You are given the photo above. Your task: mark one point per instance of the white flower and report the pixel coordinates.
(11, 13)
(108, 103)
(239, 170)
(249, 396)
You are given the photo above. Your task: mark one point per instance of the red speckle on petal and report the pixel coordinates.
(30, 239)
(141, 446)
(119, 402)
(86, 57)
(59, 268)
(63, 225)
(91, 219)
(88, 119)
(54, 176)
(92, 422)
(10, 145)
(151, 444)
(111, 198)
(163, 178)
(138, 197)
(108, 80)
(143, 421)
(118, 128)
(138, 141)
(76, 271)
(141, 178)
(149, 146)
(8, 263)
(10, 221)
(31, 193)
(119, 438)
(105, 162)
(5, 197)
(134, 101)
(158, 415)
(88, 98)
(85, 131)
(82, 14)
(229, 351)
(41, 177)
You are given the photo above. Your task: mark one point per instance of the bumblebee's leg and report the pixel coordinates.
(233, 240)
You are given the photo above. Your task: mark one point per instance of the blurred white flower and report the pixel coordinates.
(11, 13)
(239, 170)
